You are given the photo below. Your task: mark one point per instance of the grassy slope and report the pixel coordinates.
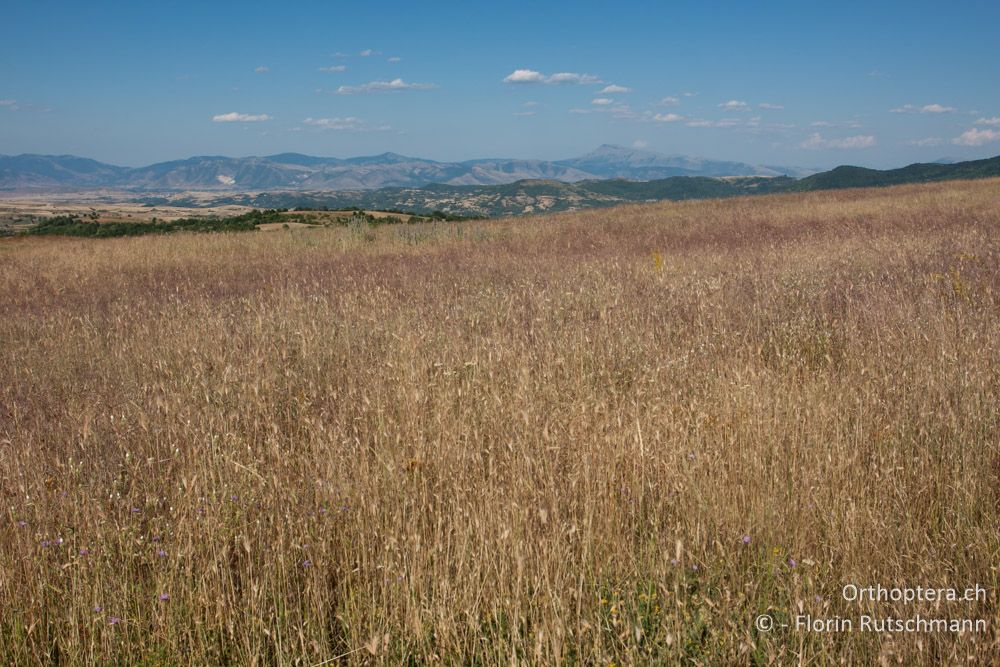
(506, 441)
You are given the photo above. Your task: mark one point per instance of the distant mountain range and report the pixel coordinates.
(545, 196)
(292, 171)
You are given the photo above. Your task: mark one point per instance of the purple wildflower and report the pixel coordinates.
(98, 609)
(673, 561)
(22, 523)
(114, 620)
(59, 542)
(694, 567)
(161, 553)
(156, 538)
(746, 539)
(136, 510)
(792, 562)
(84, 551)
(307, 563)
(164, 597)
(46, 544)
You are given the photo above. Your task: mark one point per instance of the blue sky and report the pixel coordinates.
(811, 84)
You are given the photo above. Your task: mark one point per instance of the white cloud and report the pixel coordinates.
(532, 76)
(927, 108)
(982, 121)
(767, 105)
(602, 101)
(525, 113)
(936, 108)
(616, 110)
(334, 68)
(573, 77)
(725, 122)
(524, 76)
(263, 69)
(670, 102)
(530, 103)
(394, 59)
(734, 105)
(10, 104)
(234, 117)
(976, 137)
(689, 94)
(929, 141)
(383, 86)
(667, 118)
(827, 123)
(816, 140)
(640, 144)
(369, 52)
(613, 88)
(347, 124)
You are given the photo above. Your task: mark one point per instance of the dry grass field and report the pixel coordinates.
(615, 436)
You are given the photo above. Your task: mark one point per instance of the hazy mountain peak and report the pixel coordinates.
(295, 171)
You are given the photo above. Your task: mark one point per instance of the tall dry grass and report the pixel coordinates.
(610, 436)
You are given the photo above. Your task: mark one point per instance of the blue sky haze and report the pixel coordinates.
(813, 84)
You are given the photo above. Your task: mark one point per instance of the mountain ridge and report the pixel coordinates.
(297, 171)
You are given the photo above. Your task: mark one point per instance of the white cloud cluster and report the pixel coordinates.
(613, 88)
(347, 124)
(263, 69)
(383, 87)
(602, 101)
(768, 105)
(10, 104)
(927, 108)
(838, 123)
(366, 53)
(670, 102)
(936, 108)
(667, 117)
(523, 76)
(816, 141)
(235, 117)
(333, 69)
(989, 121)
(394, 59)
(704, 122)
(976, 137)
(734, 105)
(573, 77)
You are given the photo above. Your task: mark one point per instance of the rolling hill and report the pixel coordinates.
(545, 195)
